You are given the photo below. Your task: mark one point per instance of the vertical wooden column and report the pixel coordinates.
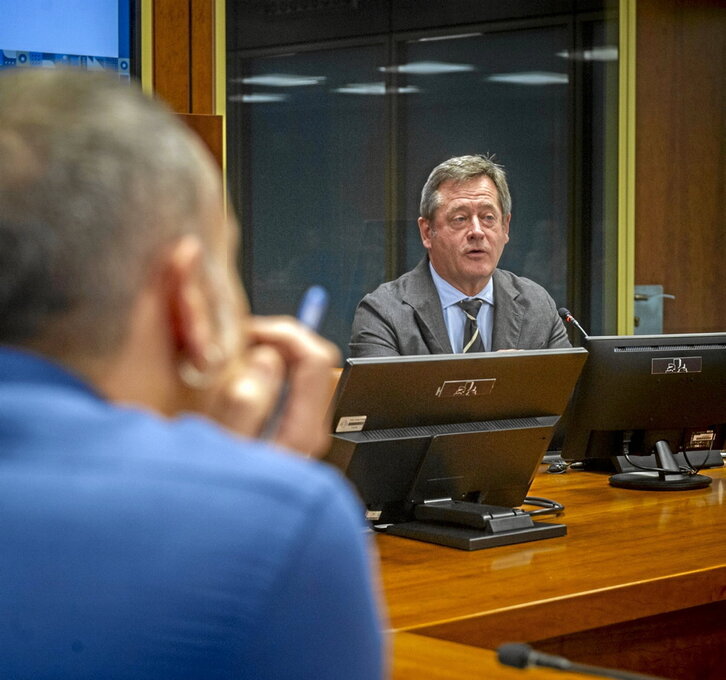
(184, 68)
(202, 56)
(680, 211)
(172, 53)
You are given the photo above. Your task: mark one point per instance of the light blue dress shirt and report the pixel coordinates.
(454, 316)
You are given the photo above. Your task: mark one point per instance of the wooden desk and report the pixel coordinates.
(638, 583)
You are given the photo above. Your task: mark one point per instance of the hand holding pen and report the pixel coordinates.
(282, 392)
(310, 314)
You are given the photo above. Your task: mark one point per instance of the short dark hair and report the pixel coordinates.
(95, 177)
(460, 169)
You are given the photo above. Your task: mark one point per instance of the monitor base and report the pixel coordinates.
(667, 475)
(656, 481)
(465, 538)
(698, 459)
(619, 463)
(479, 526)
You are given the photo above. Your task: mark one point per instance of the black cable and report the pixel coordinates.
(688, 469)
(558, 467)
(548, 507)
(682, 469)
(697, 468)
(627, 439)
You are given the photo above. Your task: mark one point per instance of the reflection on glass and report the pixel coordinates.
(307, 166)
(328, 150)
(513, 103)
(599, 133)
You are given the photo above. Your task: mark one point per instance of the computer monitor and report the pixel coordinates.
(443, 447)
(98, 35)
(651, 407)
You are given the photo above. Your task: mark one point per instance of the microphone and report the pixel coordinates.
(567, 317)
(520, 655)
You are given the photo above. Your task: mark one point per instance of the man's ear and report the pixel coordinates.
(507, 220)
(424, 228)
(188, 302)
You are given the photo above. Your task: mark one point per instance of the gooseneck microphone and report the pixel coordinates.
(567, 317)
(520, 655)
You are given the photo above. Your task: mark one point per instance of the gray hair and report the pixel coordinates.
(95, 178)
(460, 169)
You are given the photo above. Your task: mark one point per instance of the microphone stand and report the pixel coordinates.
(520, 655)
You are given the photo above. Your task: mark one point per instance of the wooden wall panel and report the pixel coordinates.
(172, 56)
(210, 129)
(202, 56)
(680, 210)
(184, 66)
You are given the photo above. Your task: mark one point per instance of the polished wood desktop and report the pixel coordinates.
(638, 583)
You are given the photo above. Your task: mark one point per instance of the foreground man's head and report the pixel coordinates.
(105, 196)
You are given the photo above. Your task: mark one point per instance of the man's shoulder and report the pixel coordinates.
(521, 285)
(204, 454)
(81, 430)
(409, 283)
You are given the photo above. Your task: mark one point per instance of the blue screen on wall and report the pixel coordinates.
(94, 35)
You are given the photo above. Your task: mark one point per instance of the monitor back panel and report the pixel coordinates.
(438, 389)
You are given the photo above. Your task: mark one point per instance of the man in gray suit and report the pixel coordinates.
(455, 299)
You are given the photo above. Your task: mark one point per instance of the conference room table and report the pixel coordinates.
(638, 583)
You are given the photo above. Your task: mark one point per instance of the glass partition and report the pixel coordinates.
(506, 93)
(330, 142)
(309, 178)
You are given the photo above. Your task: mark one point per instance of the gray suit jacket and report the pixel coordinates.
(404, 317)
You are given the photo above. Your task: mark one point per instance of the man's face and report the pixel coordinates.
(468, 233)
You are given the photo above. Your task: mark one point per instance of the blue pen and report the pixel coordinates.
(312, 307)
(310, 313)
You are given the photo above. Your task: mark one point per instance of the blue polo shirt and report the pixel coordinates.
(134, 546)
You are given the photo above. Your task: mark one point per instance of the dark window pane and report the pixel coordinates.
(504, 93)
(329, 147)
(312, 136)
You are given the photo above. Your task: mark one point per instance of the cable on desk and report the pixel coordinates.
(697, 468)
(682, 469)
(547, 506)
(558, 467)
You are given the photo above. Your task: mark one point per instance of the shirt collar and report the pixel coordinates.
(450, 296)
(23, 366)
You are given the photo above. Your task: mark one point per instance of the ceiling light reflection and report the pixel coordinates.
(427, 68)
(281, 80)
(604, 53)
(258, 98)
(530, 78)
(374, 88)
(435, 38)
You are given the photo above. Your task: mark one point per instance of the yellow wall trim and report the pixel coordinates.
(220, 77)
(147, 46)
(626, 168)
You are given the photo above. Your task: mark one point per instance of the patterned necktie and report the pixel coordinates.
(472, 337)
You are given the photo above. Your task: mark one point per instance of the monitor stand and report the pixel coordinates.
(472, 526)
(698, 459)
(667, 478)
